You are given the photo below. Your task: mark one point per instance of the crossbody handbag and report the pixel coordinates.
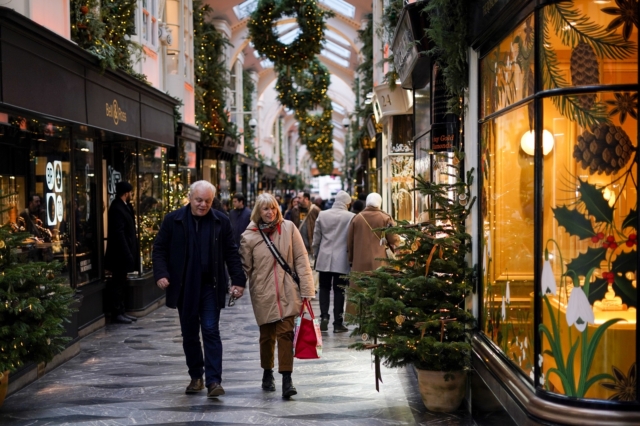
(276, 254)
(383, 241)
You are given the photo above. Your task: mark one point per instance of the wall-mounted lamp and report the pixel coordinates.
(527, 142)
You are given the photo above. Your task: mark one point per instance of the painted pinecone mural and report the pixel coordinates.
(584, 71)
(606, 150)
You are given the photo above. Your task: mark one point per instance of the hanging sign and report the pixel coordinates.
(445, 137)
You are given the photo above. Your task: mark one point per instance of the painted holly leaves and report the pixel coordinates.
(592, 219)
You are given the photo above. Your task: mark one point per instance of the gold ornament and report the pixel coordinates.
(416, 245)
(365, 337)
(400, 319)
(2, 245)
(50, 275)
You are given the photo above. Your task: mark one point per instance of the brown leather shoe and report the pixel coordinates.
(215, 390)
(195, 386)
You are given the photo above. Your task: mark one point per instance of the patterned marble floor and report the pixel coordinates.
(136, 374)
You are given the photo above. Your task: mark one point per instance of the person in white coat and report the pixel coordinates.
(332, 261)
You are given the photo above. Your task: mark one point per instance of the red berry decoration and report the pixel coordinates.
(630, 243)
(84, 9)
(613, 245)
(600, 235)
(610, 239)
(633, 237)
(605, 245)
(594, 239)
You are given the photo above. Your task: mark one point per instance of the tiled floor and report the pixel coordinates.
(136, 374)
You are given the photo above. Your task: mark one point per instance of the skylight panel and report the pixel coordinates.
(337, 49)
(337, 38)
(281, 29)
(338, 108)
(341, 6)
(335, 58)
(245, 9)
(290, 36)
(266, 63)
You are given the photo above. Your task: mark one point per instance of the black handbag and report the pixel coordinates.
(284, 265)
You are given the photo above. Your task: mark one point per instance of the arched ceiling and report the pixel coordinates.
(340, 55)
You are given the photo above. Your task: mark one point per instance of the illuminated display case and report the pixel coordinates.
(558, 200)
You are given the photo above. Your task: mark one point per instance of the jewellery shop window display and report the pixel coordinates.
(151, 163)
(35, 188)
(586, 289)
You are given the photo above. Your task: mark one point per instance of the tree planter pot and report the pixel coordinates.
(4, 386)
(440, 395)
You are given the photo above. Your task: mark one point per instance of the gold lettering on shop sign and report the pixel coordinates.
(114, 111)
(487, 6)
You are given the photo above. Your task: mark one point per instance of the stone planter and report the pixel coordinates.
(440, 395)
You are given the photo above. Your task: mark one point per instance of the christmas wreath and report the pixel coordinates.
(310, 19)
(316, 132)
(304, 89)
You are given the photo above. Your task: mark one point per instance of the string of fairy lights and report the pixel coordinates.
(303, 81)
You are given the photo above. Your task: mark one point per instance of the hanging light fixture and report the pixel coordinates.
(527, 142)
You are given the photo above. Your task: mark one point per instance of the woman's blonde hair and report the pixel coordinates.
(262, 201)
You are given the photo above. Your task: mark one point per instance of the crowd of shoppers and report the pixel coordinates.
(204, 254)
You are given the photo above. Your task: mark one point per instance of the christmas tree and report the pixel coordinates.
(34, 304)
(412, 311)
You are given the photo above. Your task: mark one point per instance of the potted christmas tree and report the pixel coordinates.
(412, 311)
(34, 304)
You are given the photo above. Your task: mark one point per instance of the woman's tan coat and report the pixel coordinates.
(363, 245)
(274, 294)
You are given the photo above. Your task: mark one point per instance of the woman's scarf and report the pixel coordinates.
(268, 228)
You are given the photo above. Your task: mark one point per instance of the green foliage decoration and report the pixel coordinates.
(248, 88)
(412, 311)
(311, 22)
(211, 75)
(34, 305)
(316, 132)
(303, 89)
(448, 29)
(104, 28)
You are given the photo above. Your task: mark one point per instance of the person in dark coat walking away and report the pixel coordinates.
(122, 255)
(330, 248)
(240, 217)
(190, 252)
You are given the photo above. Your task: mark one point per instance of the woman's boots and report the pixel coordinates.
(268, 382)
(287, 385)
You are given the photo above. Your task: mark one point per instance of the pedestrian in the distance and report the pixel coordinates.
(275, 296)
(240, 217)
(190, 252)
(122, 255)
(330, 248)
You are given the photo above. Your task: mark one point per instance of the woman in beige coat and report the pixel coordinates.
(275, 296)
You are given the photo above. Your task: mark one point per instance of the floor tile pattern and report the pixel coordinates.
(136, 374)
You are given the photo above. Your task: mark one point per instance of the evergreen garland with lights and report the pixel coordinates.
(104, 28)
(248, 87)
(297, 54)
(412, 311)
(316, 132)
(211, 75)
(303, 89)
(34, 304)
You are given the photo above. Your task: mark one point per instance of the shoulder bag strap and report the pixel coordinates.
(383, 240)
(276, 254)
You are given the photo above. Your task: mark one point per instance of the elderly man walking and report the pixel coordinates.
(330, 248)
(189, 256)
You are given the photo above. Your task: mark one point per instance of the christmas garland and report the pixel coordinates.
(305, 88)
(316, 132)
(311, 22)
(248, 87)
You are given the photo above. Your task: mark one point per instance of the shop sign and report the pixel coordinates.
(392, 102)
(409, 40)
(445, 137)
(230, 144)
(115, 112)
(109, 110)
(54, 201)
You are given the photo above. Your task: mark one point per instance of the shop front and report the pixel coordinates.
(217, 158)
(248, 179)
(68, 133)
(557, 221)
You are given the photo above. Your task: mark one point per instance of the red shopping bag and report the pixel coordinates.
(307, 337)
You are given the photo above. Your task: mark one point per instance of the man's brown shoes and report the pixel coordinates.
(215, 390)
(195, 386)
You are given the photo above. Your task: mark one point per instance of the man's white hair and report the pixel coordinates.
(374, 200)
(202, 185)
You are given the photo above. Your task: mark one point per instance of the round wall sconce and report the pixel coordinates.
(527, 142)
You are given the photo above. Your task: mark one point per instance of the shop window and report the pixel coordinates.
(86, 212)
(35, 189)
(151, 198)
(150, 22)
